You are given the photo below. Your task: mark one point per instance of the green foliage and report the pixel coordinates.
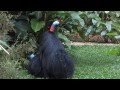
(66, 41)
(108, 25)
(76, 16)
(22, 28)
(112, 34)
(6, 38)
(11, 69)
(13, 66)
(95, 22)
(37, 14)
(83, 22)
(21, 50)
(37, 25)
(117, 37)
(5, 23)
(5, 44)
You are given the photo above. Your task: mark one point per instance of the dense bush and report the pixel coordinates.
(103, 23)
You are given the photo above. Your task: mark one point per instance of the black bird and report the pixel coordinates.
(52, 61)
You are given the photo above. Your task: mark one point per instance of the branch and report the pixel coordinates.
(5, 50)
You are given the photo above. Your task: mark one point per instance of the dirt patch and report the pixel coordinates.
(91, 43)
(92, 38)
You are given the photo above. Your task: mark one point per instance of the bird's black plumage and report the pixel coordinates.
(52, 61)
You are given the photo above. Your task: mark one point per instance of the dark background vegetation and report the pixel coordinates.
(21, 29)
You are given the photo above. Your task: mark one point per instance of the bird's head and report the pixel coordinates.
(54, 24)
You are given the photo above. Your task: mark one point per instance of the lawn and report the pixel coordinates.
(96, 62)
(91, 62)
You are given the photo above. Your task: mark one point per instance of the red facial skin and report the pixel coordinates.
(52, 28)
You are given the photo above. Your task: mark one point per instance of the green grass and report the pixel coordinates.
(91, 62)
(96, 62)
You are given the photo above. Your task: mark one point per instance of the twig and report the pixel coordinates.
(5, 50)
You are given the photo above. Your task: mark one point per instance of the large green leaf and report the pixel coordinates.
(108, 25)
(112, 34)
(107, 12)
(117, 37)
(116, 26)
(94, 16)
(117, 13)
(103, 33)
(37, 25)
(64, 39)
(94, 21)
(76, 15)
(88, 31)
(81, 22)
(60, 12)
